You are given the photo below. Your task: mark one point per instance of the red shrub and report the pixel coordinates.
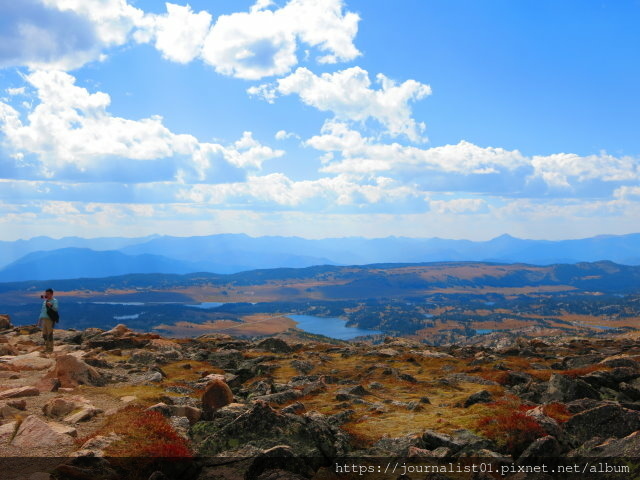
(557, 411)
(514, 430)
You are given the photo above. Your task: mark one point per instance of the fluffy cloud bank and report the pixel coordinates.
(65, 34)
(347, 151)
(71, 134)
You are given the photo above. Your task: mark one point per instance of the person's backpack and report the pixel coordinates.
(53, 315)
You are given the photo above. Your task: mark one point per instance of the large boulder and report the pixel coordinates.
(216, 395)
(275, 345)
(562, 388)
(30, 361)
(610, 378)
(36, 433)
(71, 372)
(226, 359)
(609, 420)
(541, 447)
(627, 447)
(5, 322)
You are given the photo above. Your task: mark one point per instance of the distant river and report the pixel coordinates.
(329, 327)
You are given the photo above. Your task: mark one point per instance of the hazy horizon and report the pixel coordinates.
(318, 238)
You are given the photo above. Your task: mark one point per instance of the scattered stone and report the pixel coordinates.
(19, 392)
(7, 431)
(95, 446)
(71, 372)
(280, 397)
(386, 352)
(407, 378)
(48, 385)
(154, 377)
(302, 366)
(30, 361)
(18, 404)
(295, 408)
(61, 406)
(431, 440)
(84, 414)
(358, 391)
(192, 414)
(143, 357)
(36, 433)
(482, 396)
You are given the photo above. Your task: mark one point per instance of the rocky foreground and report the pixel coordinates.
(119, 404)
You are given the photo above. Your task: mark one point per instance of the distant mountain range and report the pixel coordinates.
(43, 258)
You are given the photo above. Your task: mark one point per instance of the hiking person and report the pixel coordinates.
(45, 321)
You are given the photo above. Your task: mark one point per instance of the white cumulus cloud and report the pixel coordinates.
(179, 34)
(360, 154)
(263, 41)
(349, 96)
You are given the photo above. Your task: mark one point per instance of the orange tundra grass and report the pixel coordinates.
(145, 434)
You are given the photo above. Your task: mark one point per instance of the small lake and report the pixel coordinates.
(483, 331)
(329, 327)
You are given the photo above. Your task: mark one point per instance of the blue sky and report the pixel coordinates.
(323, 118)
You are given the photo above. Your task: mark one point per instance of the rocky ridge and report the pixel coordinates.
(282, 409)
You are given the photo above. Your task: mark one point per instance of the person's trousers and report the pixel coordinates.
(47, 334)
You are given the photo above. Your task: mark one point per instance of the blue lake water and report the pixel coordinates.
(206, 305)
(127, 317)
(329, 327)
(483, 331)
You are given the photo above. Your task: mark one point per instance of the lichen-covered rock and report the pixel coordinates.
(279, 398)
(309, 435)
(482, 396)
(562, 388)
(546, 446)
(609, 420)
(275, 345)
